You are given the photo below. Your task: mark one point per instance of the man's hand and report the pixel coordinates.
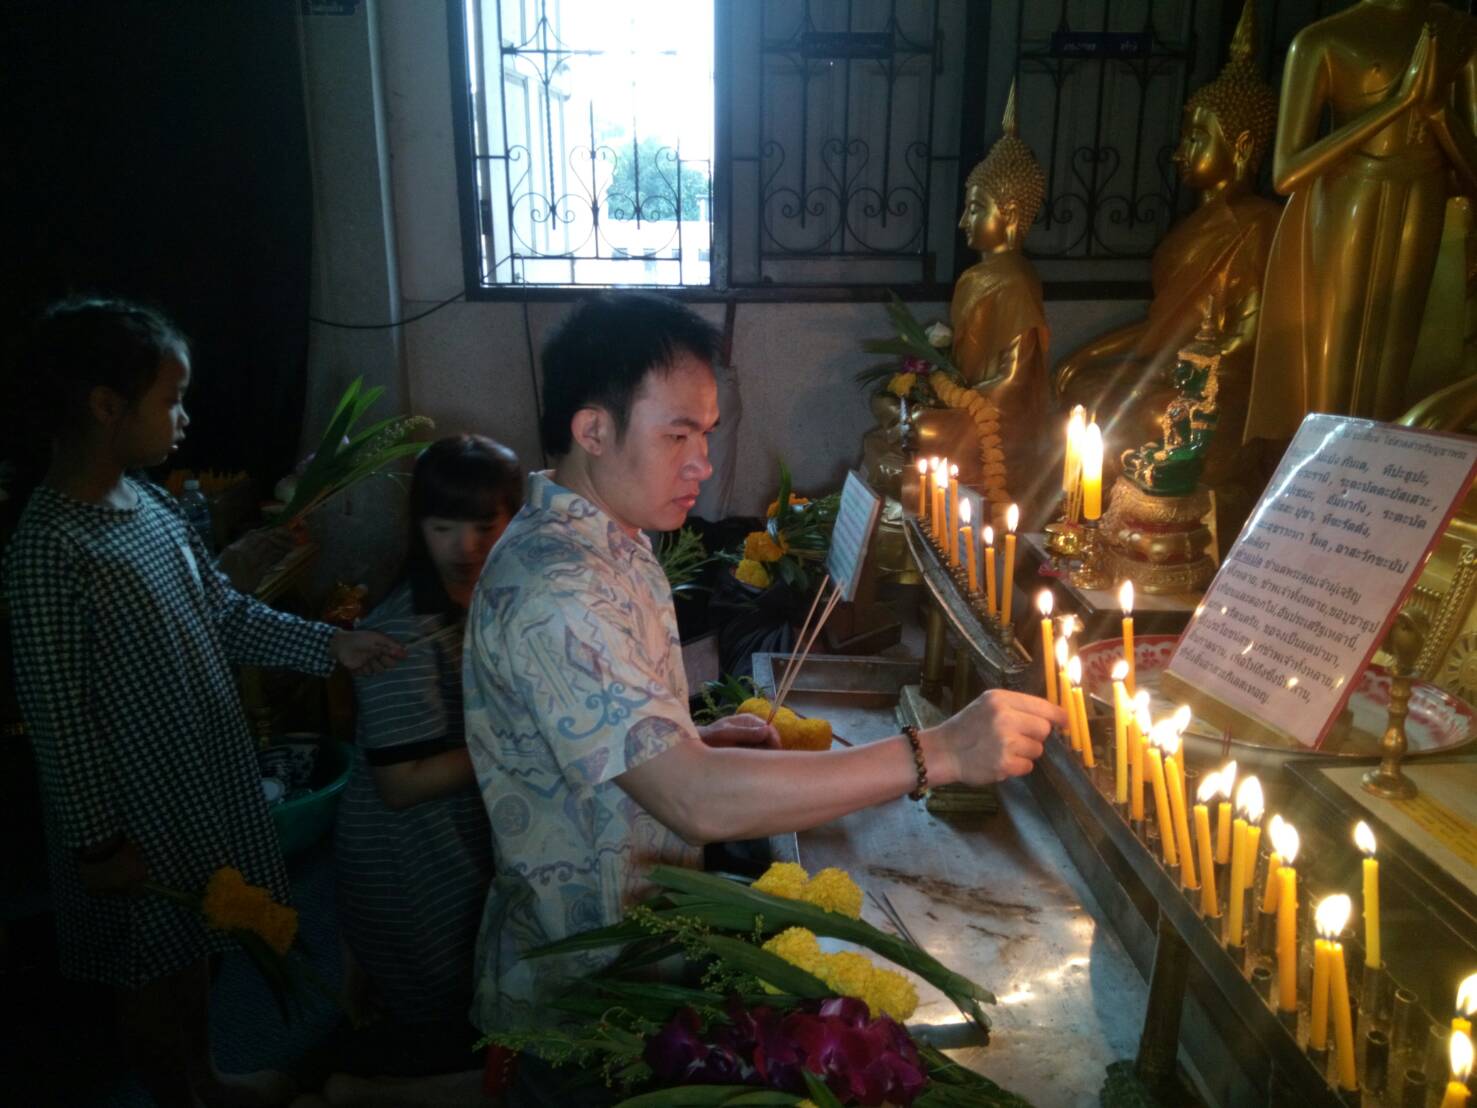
(998, 735)
(740, 730)
(118, 874)
(363, 653)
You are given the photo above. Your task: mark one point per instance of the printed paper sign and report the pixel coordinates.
(855, 521)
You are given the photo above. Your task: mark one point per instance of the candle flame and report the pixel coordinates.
(1364, 838)
(933, 462)
(922, 466)
(1228, 779)
(1092, 452)
(1125, 597)
(1074, 670)
(989, 535)
(1249, 800)
(1044, 601)
(1159, 733)
(1461, 1055)
(1466, 997)
(1332, 915)
(941, 477)
(1210, 787)
(1012, 518)
(953, 471)
(1062, 649)
(1181, 719)
(1141, 711)
(965, 511)
(1120, 670)
(1068, 626)
(1284, 840)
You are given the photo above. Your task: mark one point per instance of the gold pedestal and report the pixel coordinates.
(1161, 543)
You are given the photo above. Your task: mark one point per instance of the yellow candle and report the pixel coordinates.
(1076, 424)
(1179, 808)
(1364, 839)
(1286, 842)
(1069, 701)
(1121, 711)
(1138, 741)
(1125, 601)
(1167, 836)
(1092, 472)
(1253, 845)
(1048, 648)
(1461, 1065)
(922, 489)
(1079, 701)
(990, 601)
(1343, 1019)
(940, 505)
(1062, 648)
(1318, 1031)
(1210, 906)
(966, 536)
(1243, 853)
(1012, 520)
(1235, 890)
(1274, 863)
(953, 514)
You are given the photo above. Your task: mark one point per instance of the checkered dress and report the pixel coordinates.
(124, 637)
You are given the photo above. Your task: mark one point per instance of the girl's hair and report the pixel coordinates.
(460, 477)
(81, 343)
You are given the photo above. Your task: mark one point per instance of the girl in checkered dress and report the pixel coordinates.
(124, 637)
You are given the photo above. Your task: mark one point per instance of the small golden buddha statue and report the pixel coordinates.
(995, 424)
(1350, 273)
(1219, 251)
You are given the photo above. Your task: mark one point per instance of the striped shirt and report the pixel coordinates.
(411, 882)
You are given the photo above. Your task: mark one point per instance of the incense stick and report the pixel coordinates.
(789, 664)
(794, 671)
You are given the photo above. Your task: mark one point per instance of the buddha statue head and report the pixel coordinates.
(1229, 124)
(1003, 193)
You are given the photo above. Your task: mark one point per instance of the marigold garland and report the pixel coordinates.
(984, 413)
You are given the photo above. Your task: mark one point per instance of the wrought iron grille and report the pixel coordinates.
(589, 133)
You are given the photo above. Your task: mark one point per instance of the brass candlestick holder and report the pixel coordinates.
(1092, 573)
(1405, 641)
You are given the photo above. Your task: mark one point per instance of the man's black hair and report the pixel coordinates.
(461, 477)
(603, 351)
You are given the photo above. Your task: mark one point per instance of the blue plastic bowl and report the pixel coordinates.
(304, 820)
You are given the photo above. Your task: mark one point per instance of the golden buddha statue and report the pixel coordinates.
(1350, 273)
(1218, 252)
(995, 423)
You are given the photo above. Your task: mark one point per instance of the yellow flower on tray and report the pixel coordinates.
(761, 546)
(751, 572)
(902, 383)
(835, 891)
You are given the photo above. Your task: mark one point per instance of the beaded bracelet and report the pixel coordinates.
(918, 763)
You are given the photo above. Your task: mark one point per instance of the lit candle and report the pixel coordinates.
(1286, 842)
(1338, 982)
(1274, 863)
(966, 536)
(1121, 711)
(1223, 815)
(1012, 521)
(1063, 649)
(1092, 472)
(1167, 836)
(922, 489)
(1138, 740)
(991, 602)
(1125, 601)
(933, 495)
(1079, 711)
(1327, 924)
(1364, 840)
(1461, 1065)
(940, 503)
(1253, 844)
(1209, 789)
(1044, 602)
(1243, 855)
(1466, 1004)
(953, 514)
(1169, 742)
(1072, 463)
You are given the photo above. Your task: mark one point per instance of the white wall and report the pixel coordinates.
(467, 366)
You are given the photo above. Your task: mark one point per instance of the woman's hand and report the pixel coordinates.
(740, 730)
(363, 653)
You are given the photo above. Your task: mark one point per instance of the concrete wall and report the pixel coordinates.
(388, 246)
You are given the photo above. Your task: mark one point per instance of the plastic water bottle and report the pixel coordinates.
(197, 511)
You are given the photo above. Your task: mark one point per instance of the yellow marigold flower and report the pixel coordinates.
(849, 974)
(786, 879)
(890, 993)
(902, 383)
(226, 898)
(755, 706)
(835, 891)
(752, 573)
(799, 947)
(806, 734)
(795, 502)
(761, 546)
(278, 928)
(230, 904)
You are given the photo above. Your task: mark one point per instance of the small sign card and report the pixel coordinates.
(1306, 595)
(855, 521)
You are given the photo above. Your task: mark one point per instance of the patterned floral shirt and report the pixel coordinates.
(573, 675)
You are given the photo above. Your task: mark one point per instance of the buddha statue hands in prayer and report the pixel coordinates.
(996, 421)
(1219, 250)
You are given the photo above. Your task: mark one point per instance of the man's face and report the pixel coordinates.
(649, 479)
(1204, 157)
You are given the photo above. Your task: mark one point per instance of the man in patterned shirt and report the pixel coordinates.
(589, 763)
